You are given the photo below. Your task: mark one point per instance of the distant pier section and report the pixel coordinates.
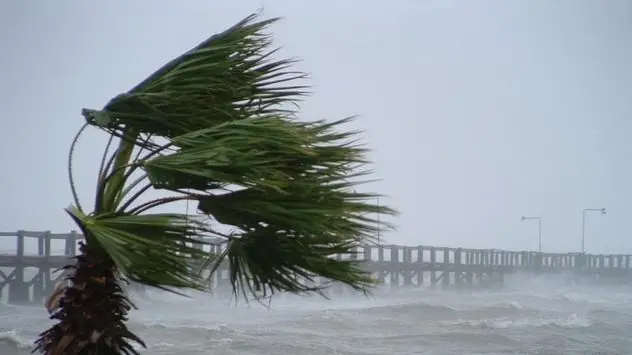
(27, 272)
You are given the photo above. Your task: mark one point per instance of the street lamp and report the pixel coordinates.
(379, 225)
(539, 230)
(602, 210)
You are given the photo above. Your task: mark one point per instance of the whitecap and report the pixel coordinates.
(11, 337)
(572, 321)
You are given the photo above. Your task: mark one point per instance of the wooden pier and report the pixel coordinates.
(27, 271)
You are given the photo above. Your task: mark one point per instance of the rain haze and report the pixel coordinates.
(476, 112)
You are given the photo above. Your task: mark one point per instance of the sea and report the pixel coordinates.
(531, 315)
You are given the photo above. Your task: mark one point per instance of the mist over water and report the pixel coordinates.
(532, 315)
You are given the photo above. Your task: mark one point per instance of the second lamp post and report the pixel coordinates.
(539, 230)
(602, 210)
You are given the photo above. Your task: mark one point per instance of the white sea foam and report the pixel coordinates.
(12, 338)
(584, 319)
(571, 321)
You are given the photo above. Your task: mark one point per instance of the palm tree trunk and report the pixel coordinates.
(91, 311)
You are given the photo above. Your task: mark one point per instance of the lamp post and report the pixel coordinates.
(539, 230)
(379, 225)
(602, 210)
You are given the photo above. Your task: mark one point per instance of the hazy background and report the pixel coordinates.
(478, 112)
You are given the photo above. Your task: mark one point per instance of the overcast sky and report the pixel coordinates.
(478, 112)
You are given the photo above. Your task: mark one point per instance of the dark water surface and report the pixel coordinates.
(533, 317)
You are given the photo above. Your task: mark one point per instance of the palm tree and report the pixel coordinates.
(215, 127)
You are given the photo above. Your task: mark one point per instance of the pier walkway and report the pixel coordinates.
(27, 271)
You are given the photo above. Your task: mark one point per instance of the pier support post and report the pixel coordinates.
(18, 289)
(433, 265)
(395, 267)
(420, 267)
(458, 270)
(446, 269)
(43, 284)
(71, 244)
(408, 265)
(381, 275)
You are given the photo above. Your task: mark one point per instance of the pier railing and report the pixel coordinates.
(27, 259)
(46, 244)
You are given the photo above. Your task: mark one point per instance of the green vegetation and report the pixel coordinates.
(215, 127)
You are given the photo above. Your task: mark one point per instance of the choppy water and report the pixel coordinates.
(533, 317)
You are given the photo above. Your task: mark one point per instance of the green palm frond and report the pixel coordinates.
(229, 76)
(153, 249)
(217, 126)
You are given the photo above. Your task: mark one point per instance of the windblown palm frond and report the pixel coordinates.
(217, 126)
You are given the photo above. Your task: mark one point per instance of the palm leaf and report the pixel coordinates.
(215, 127)
(152, 249)
(218, 126)
(229, 76)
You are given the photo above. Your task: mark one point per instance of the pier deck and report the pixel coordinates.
(27, 278)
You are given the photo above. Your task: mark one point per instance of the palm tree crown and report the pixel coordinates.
(216, 127)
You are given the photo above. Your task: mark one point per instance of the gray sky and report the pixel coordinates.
(478, 112)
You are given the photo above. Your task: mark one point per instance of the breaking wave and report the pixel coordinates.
(11, 342)
(572, 321)
(589, 319)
